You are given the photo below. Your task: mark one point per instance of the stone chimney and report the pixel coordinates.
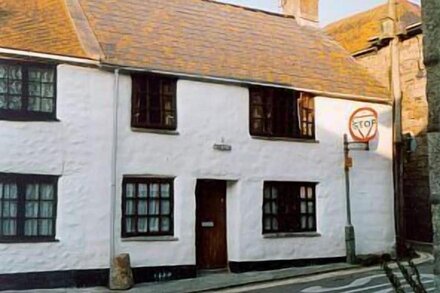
(306, 12)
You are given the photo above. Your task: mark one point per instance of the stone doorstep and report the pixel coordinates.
(221, 281)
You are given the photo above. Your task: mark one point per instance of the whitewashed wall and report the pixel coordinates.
(78, 148)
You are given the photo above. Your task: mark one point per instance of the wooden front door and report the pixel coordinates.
(211, 224)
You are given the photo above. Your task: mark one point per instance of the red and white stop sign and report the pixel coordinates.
(363, 124)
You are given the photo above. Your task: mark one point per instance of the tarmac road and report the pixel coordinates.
(342, 282)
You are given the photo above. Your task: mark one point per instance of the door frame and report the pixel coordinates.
(197, 216)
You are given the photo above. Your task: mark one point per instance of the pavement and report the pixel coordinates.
(273, 281)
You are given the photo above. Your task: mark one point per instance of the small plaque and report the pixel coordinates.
(207, 224)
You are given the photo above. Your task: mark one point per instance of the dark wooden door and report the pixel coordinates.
(211, 247)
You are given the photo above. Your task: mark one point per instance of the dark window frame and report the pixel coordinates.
(148, 181)
(23, 114)
(141, 113)
(22, 180)
(269, 116)
(290, 223)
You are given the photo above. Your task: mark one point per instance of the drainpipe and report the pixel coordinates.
(396, 92)
(113, 168)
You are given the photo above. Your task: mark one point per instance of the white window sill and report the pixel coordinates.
(301, 140)
(150, 239)
(155, 131)
(291, 235)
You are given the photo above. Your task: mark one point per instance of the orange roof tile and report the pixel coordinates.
(39, 26)
(354, 32)
(199, 37)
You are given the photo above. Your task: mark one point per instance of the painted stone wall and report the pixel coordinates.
(414, 121)
(78, 148)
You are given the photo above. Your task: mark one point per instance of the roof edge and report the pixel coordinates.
(328, 94)
(85, 34)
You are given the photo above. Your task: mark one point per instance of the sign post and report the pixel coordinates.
(363, 128)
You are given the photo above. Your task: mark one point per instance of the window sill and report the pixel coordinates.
(302, 140)
(150, 239)
(24, 241)
(155, 131)
(291, 235)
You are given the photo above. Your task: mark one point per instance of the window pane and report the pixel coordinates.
(32, 209)
(165, 190)
(311, 222)
(310, 193)
(311, 207)
(143, 190)
(303, 192)
(46, 105)
(130, 190)
(267, 208)
(9, 227)
(129, 207)
(275, 224)
(142, 207)
(3, 86)
(10, 191)
(129, 225)
(303, 222)
(14, 103)
(34, 104)
(267, 192)
(267, 222)
(3, 71)
(154, 190)
(46, 209)
(45, 227)
(32, 191)
(165, 225)
(303, 207)
(9, 209)
(14, 72)
(153, 224)
(165, 207)
(153, 207)
(47, 191)
(31, 228)
(3, 100)
(142, 225)
(34, 89)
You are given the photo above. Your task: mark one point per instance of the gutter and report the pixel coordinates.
(54, 57)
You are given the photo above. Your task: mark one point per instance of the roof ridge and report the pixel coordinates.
(84, 32)
(253, 9)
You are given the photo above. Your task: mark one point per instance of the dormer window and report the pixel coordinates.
(153, 102)
(27, 91)
(282, 113)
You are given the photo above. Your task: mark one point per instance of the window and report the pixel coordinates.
(27, 207)
(153, 102)
(284, 113)
(289, 207)
(147, 207)
(27, 91)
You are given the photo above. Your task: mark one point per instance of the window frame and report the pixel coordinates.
(24, 114)
(297, 200)
(272, 113)
(136, 99)
(148, 181)
(22, 180)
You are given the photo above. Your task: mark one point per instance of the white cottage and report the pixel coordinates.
(190, 134)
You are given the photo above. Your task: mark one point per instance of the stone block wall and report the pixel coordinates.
(414, 122)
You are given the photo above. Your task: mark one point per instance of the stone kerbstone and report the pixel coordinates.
(121, 275)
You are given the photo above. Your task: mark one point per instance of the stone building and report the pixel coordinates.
(361, 35)
(190, 134)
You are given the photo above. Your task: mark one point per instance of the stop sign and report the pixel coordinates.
(363, 124)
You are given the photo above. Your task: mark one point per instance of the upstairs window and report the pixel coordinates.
(147, 207)
(153, 102)
(27, 91)
(281, 113)
(27, 207)
(289, 207)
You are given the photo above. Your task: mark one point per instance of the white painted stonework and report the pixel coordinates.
(78, 148)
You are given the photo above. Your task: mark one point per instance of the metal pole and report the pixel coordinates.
(350, 243)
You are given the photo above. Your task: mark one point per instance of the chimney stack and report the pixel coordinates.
(306, 12)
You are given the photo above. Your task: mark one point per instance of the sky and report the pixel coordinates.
(330, 10)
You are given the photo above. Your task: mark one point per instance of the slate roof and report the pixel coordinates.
(197, 37)
(354, 32)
